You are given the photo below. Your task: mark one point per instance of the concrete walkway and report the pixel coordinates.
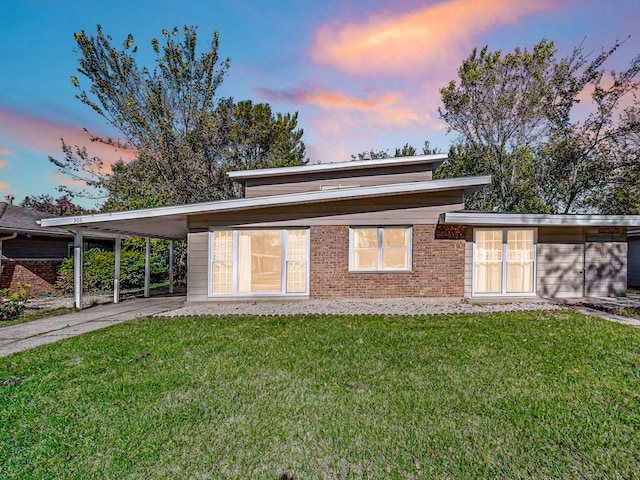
(23, 336)
(602, 304)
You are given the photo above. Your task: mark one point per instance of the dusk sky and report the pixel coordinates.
(361, 74)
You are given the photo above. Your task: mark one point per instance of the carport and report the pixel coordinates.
(167, 223)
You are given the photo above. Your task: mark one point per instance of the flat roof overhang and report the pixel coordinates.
(172, 222)
(241, 175)
(539, 220)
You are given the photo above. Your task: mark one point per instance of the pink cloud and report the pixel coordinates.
(320, 97)
(410, 44)
(62, 179)
(43, 135)
(3, 163)
(5, 151)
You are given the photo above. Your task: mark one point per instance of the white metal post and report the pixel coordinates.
(147, 266)
(170, 266)
(116, 273)
(77, 269)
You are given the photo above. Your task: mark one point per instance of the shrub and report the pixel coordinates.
(12, 304)
(98, 271)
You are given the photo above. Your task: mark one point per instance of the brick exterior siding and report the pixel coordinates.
(39, 274)
(438, 266)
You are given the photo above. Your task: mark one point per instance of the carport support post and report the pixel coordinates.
(77, 269)
(147, 266)
(170, 266)
(116, 273)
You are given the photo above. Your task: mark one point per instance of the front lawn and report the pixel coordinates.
(539, 395)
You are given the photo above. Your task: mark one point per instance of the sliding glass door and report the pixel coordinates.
(259, 262)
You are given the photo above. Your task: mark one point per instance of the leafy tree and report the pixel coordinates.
(405, 151)
(515, 119)
(497, 110)
(370, 155)
(170, 116)
(409, 150)
(622, 193)
(61, 206)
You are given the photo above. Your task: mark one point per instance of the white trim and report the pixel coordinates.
(504, 292)
(380, 230)
(174, 218)
(240, 175)
(534, 220)
(234, 265)
(315, 196)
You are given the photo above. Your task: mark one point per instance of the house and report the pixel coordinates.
(377, 228)
(29, 253)
(633, 267)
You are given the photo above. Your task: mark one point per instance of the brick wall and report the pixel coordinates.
(438, 266)
(40, 274)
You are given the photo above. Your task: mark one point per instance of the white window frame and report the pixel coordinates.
(504, 293)
(379, 269)
(234, 264)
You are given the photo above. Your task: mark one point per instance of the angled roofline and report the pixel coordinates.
(240, 175)
(180, 212)
(532, 219)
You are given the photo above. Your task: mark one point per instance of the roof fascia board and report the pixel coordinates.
(524, 219)
(316, 196)
(240, 175)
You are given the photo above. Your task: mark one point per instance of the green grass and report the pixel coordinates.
(539, 395)
(628, 312)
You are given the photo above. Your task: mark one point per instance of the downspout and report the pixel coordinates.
(584, 262)
(2, 239)
(147, 266)
(170, 266)
(77, 269)
(116, 273)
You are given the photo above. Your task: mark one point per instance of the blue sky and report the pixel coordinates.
(361, 74)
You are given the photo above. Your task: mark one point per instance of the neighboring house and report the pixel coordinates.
(30, 253)
(633, 272)
(377, 228)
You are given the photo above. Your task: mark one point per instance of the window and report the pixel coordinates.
(258, 262)
(380, 249)
(504, 261)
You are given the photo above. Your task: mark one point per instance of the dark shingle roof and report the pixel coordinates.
(24, 220)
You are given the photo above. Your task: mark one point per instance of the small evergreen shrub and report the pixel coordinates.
(98, 271)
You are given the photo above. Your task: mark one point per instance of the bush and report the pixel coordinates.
(98, 271)
(12, 304)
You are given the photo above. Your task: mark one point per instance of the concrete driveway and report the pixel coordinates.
(23, 336)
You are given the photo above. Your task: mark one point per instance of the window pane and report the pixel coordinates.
(222, 246)
(221, 268)
(296, 277)
(365, 259)
(520, 261)
(296, 261)
(222, 277)
(395, 237)
(395, 259)
(488, 261)
(297, 245)
(260, 261)
(365, 238)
